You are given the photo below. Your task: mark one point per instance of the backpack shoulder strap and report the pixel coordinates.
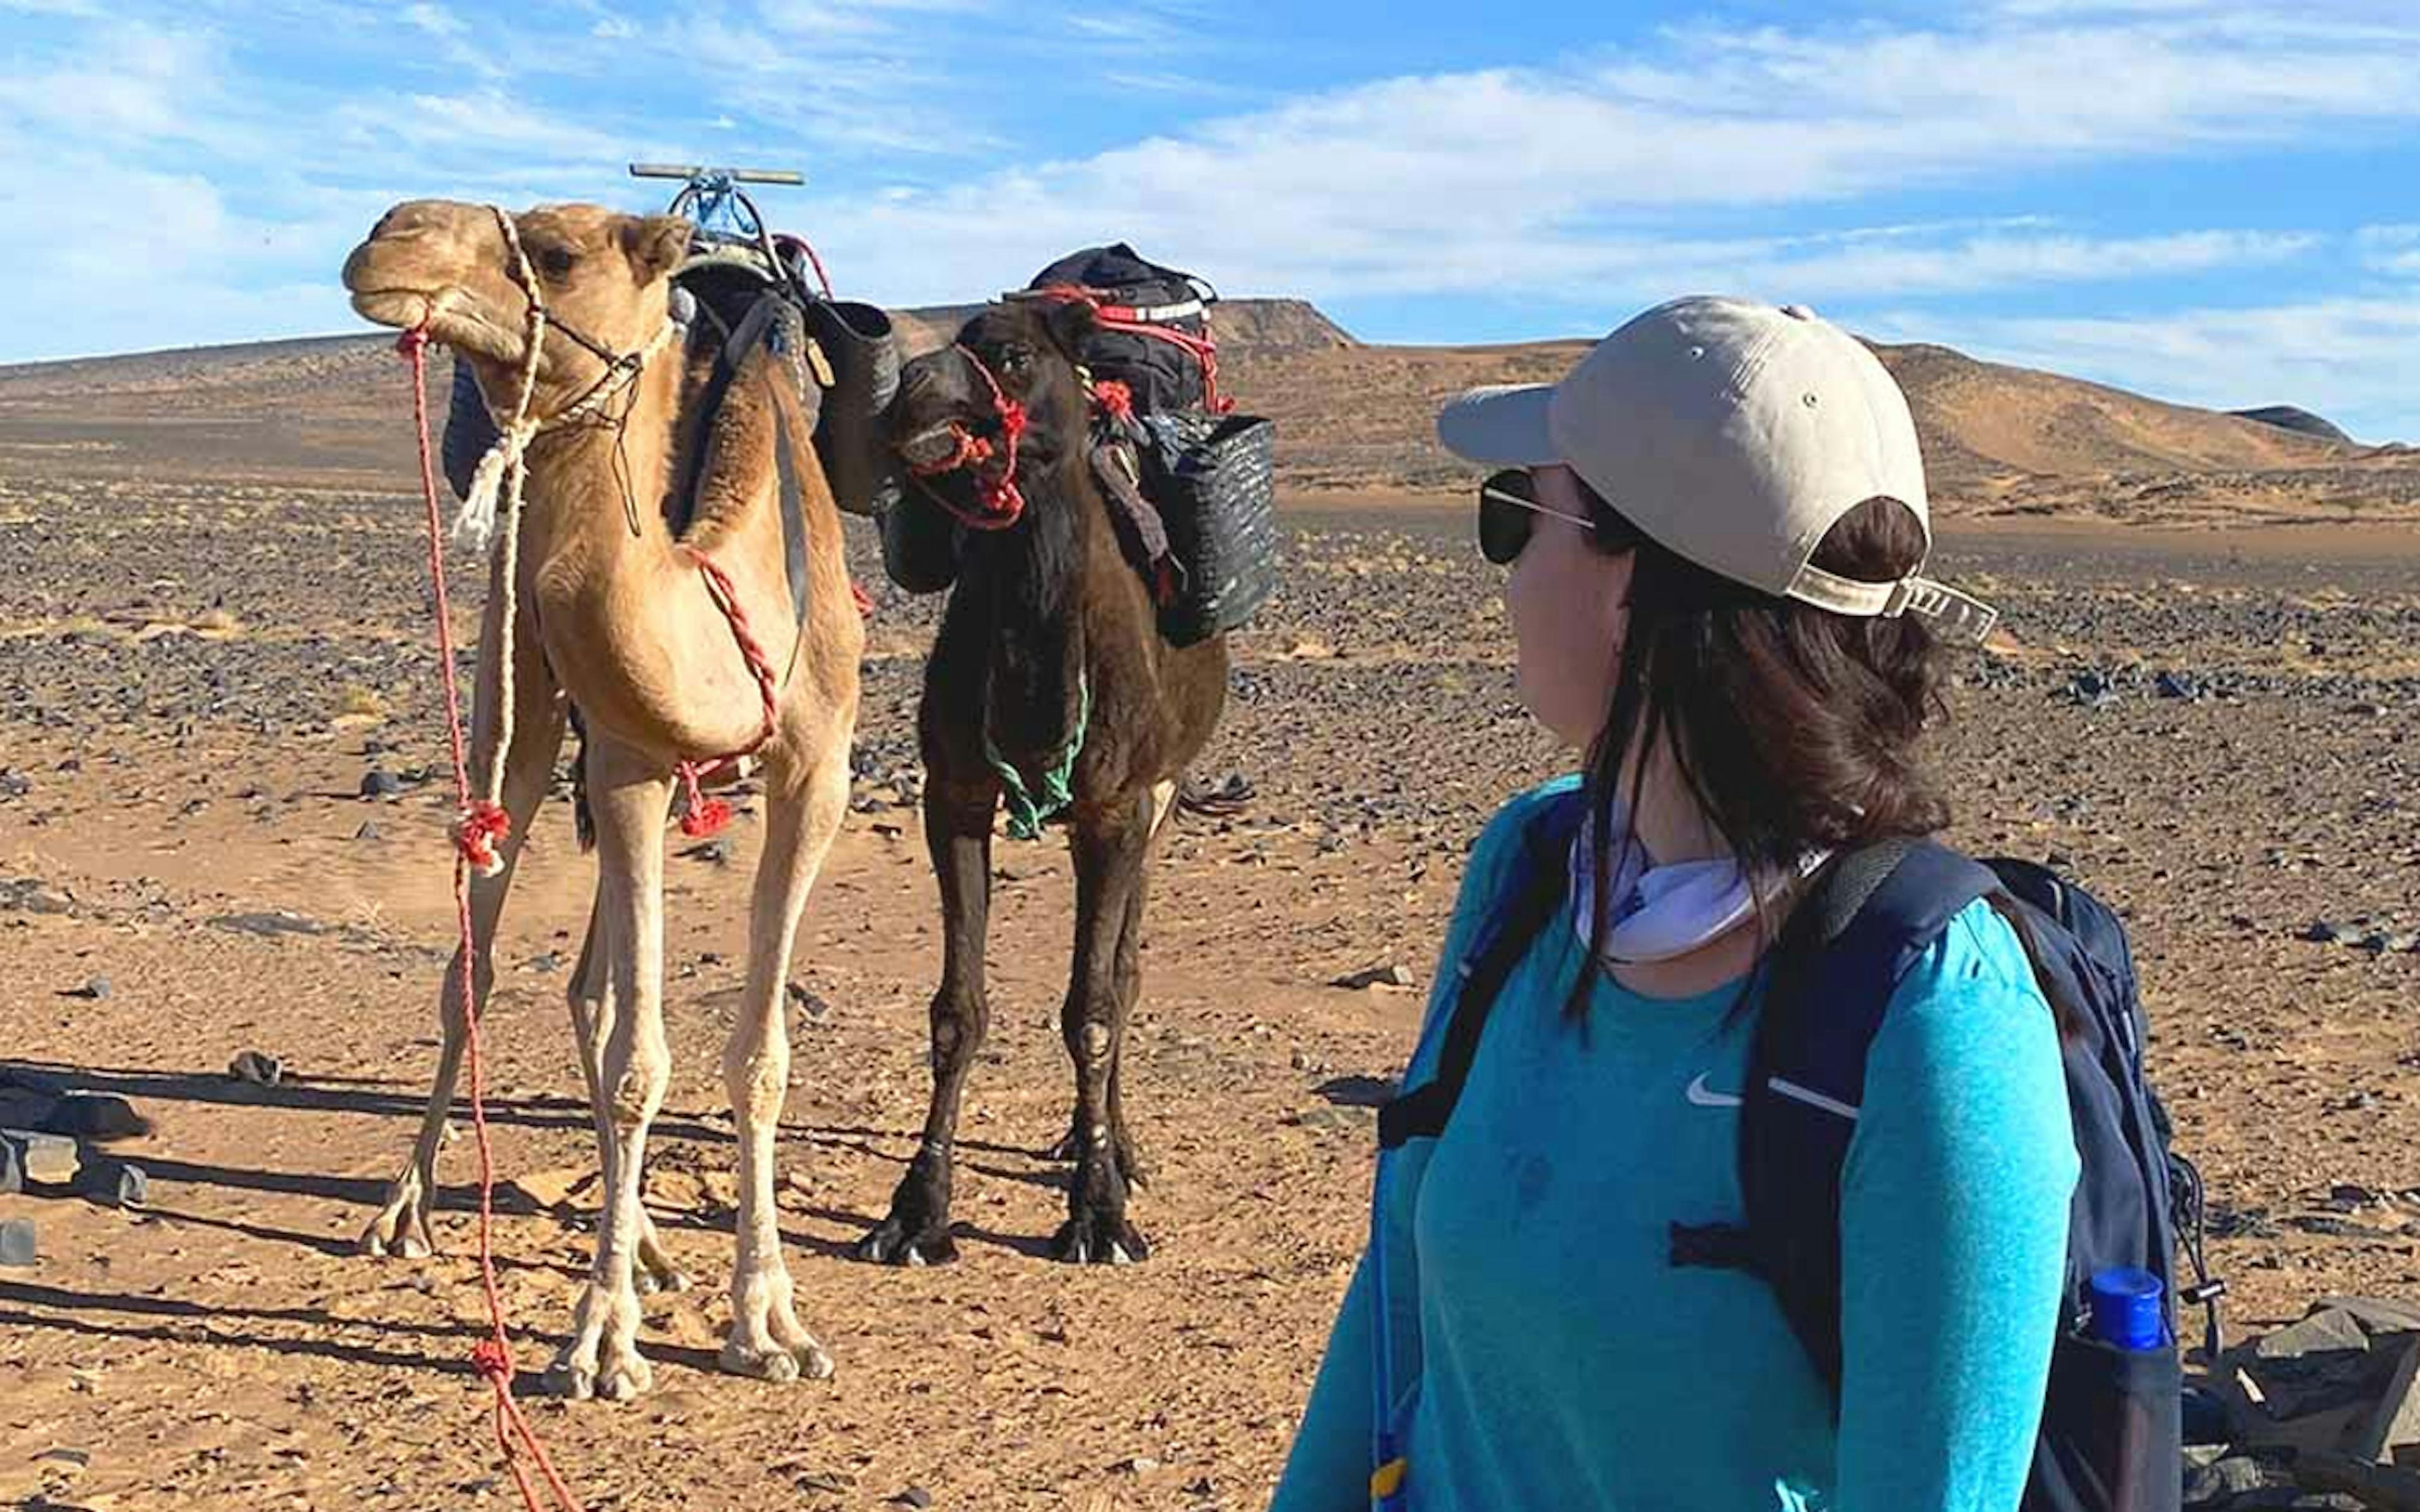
(1528, 899)
(1848, 946)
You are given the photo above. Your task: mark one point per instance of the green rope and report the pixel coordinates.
(1051, 795)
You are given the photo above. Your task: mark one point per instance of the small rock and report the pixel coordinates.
(95, 989)
(48, 1158)
(546, 964)
(114, 1183)
(1387, 975)
(255, 1069)
(915, 1496)
(95, 1115)
(716, 852)
(17, 1242)
(14, 784)
(28, 895)
(1136, 1465)
(2395, 1423)
(554, 1187)
(808, 1003)
(2325, 931)
(268, 925)
(378, 782)
(12, 1170)
(2376, 1315)
(369, 830)
(1336, 1120)
(2232, 1477)
(2177, 685)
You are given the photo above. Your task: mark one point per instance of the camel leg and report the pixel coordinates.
(1129, 976)
(1071, 1145)
(804, 807)
(628, 794)
(590, 999)
(1111, 846)
(957, 830)
(401, 1226)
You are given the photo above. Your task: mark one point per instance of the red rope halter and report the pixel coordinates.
(1000, 501)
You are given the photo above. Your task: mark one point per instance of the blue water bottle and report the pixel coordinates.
(2129, 1313)
(2127, 1308)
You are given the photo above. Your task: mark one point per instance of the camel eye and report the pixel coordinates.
(1016, 359)
(555, 262)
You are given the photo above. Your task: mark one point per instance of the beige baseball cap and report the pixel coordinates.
(1736, 435)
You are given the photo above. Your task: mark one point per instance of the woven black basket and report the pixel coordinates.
(1213, 478)
(857, 462)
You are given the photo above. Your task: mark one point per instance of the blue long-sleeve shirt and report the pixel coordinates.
(1566, 1363)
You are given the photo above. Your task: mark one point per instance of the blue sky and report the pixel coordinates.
(2212, 201)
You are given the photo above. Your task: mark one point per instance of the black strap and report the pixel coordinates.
(1872, 911)
(1539, 880)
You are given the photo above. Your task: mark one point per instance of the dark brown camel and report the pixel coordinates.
(1049, 647)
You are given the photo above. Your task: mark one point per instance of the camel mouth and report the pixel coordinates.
(932, 445)
(404, 309)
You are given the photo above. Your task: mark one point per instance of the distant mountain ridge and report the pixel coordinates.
(1354, 418)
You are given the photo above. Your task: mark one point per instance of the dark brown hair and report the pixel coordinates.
(1794, 729)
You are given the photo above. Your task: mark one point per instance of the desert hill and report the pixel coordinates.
(1353, 417)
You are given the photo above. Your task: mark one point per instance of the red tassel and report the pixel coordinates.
(706, 818)
(701, 817)
(478, 831)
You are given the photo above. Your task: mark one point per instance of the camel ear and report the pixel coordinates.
(656, 245)
(1069, 323)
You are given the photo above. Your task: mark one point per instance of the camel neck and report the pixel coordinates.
(597, 491)
(1032, 598)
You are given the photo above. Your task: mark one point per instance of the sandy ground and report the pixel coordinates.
(194, 678)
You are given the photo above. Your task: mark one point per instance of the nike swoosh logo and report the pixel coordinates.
(1702, 1096)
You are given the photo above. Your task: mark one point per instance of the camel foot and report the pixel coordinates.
(917, 1232)
(774, 1346)
(1099, 1237)
(895, 1242)
(602, 1357)
(655, 1271)
(400, 1230)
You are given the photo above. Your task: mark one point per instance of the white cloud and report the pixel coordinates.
(2391, 249)
(2352, 360)
(435, 19)
(138, 84)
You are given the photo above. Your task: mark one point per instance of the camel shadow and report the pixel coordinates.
(72, 1312)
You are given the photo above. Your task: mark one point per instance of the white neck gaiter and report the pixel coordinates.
(1660, 913)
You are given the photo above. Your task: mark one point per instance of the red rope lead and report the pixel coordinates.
(702, 816)
(477, 831)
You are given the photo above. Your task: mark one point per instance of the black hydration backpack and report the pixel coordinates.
(2110, 1438)
(1153, 333)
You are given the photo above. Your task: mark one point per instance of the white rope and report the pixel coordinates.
(496, 488)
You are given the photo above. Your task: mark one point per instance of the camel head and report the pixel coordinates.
(446, 268)
(1028, 348)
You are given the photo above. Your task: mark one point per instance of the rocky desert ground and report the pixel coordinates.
(220, 830)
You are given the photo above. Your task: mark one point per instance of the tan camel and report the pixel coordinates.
(614, 617)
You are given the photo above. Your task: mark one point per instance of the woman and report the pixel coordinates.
(1714, 536)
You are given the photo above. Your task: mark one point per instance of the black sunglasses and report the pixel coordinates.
(1509, 506)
